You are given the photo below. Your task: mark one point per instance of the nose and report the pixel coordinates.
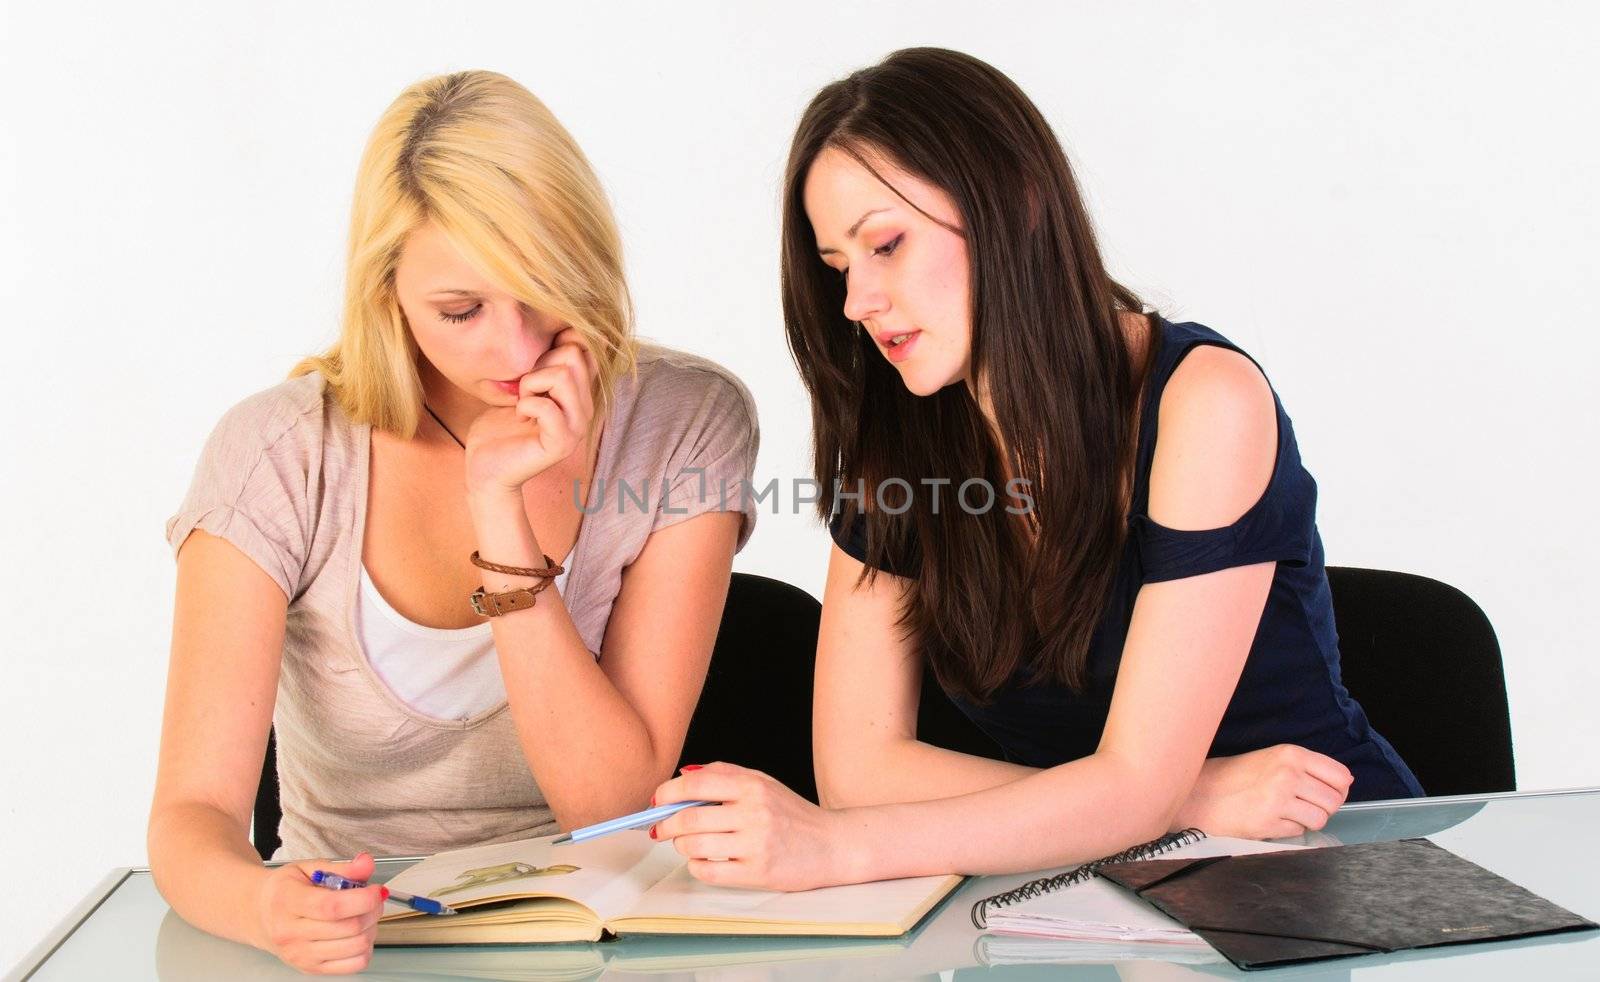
(519, 337)
(864, 297)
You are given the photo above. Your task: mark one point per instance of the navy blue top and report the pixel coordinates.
(1290, 690)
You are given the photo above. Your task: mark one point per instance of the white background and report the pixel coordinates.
(1393, 208)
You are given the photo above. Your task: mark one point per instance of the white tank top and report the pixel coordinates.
(445, 673)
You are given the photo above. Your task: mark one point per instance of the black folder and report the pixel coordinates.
(1309, 904)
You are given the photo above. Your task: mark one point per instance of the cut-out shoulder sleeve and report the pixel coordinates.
(254, 480)
(1275, 530)
(1278, 527)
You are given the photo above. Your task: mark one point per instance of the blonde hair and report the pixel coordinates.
(484, 159)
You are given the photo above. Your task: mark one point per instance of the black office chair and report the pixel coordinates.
(268, 811)
(755, 709)
(1423, 661)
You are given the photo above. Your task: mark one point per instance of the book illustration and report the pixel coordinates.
(503, 873)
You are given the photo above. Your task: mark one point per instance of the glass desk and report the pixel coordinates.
(1540, 840)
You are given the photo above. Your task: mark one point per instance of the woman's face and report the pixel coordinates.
(906, 276)
(476, 337)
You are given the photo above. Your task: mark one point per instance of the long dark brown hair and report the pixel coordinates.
(983, 600)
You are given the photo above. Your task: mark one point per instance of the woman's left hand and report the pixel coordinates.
(1273, 793)
(762, 835)
(509, 445)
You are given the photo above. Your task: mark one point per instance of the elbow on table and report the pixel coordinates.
(1163, 817)
(1140, 819)
(844, 777)
(580, 808)
(831, 791)
(1154, 798)
(1164, 802)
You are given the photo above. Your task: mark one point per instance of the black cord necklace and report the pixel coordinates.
(436, 419)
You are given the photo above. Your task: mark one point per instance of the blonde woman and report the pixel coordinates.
(485, 401)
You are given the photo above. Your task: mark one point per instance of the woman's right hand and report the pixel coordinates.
(762, 836)
(317, 930)
(1274, 793)
(508, 446)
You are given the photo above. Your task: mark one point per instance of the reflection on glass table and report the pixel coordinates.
(1539, 841)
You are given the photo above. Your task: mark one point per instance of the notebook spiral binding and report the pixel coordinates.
(1050, 884)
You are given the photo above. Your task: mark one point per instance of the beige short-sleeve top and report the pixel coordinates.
(283, 477)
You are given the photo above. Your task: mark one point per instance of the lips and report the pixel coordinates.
(511, 387)
(897, 345)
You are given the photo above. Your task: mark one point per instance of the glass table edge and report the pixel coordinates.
(41, 952)
(1457, 799)
(70, 923)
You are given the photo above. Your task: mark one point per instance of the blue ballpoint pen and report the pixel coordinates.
(425, 905)
(638, 820)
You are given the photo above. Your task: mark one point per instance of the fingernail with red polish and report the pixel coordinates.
(652, 831)
(692, 767)
(385, 892)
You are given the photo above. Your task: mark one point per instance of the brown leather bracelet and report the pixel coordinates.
(551, 569)
(495, 604)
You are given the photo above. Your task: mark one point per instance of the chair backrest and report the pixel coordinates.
(1423, 661)
(268, 811)
(755, 709)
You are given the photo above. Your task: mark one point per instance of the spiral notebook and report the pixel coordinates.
(1074, 904)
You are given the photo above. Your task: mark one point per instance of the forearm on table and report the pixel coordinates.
(1072, 813)
(207, 870)
(571, 720)
(901, 770)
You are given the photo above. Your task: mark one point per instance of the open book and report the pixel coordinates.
(627, 883)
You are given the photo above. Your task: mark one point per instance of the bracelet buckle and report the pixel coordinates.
(486, 604)
(477, 604)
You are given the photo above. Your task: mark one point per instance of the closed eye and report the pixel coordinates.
(465, 315)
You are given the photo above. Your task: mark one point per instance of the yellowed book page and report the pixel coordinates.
(605, 876)
(682, 904)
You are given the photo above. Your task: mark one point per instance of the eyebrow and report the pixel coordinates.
(458, 293)
(853, 230)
